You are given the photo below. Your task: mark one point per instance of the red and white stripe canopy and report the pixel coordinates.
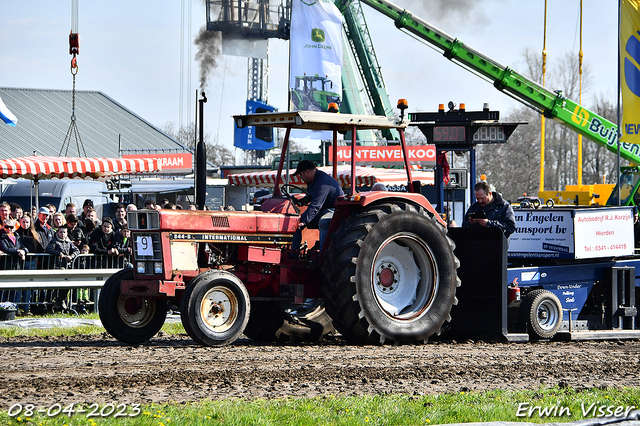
(37, 168)
(365, 176)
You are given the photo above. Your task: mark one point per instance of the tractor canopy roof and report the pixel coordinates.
(312, 120)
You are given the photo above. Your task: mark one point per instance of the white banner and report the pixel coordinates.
(316, 55)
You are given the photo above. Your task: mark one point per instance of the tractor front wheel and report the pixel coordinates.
(130, 319)
(215, 308)
(390, 275)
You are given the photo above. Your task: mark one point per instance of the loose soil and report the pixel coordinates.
(99, 369)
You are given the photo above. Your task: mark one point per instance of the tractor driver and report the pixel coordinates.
(490, 210)
(324, 190)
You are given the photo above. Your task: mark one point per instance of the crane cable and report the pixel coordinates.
(74, 50)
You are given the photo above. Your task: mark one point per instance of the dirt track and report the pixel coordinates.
(94, 369)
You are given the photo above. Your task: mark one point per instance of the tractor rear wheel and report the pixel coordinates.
(215, 308)
(390, 275)
(273, 322)
(542, 312)
(130, 319)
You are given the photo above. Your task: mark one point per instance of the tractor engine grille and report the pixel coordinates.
(220, 221)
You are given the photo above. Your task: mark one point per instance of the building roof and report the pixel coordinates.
(44, 118)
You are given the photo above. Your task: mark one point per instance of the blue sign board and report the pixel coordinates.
(255, 138)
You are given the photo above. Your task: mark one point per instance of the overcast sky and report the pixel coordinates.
(130, 50)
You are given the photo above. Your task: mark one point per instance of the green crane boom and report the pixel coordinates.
(551, 104)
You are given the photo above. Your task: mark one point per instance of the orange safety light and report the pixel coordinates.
(463, 107)
(333, 107)
(440, 107)
(403, 104)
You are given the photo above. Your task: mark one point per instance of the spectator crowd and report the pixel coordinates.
(48, 239)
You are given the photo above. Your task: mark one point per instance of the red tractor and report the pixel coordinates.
(387, 272)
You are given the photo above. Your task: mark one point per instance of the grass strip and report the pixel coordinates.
(543, 405)
(168, 327)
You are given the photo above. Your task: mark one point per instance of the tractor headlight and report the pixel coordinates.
(141, 267)
(157, 268)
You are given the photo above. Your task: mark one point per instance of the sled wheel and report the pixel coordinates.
(390, 275)
(215, 308)
(273, 322)
(542, 312)
(130, 319)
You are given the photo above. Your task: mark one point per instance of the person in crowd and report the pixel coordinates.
(65, 252)
(5, 212)
(11, 245)
(30, 238)
(16, 211)
(169, 206)
(192, 207)
(31, 241)
(62, 248)
(149, 204)
(52, 210)
(91, 222)
(123, 242)
(84, 261)
(131, 208)
(164, 202)
(70, 208)
(490, 211)
(120, 218)
(45, 232)
(76, 234)
(57, 221)
(88, 203)
(102, 241)
(323, 190)
(42, 227)
(34, 212)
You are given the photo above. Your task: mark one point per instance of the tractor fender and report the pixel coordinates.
(365, 199)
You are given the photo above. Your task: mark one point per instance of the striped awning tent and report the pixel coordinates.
(365, 176)
(39, 167)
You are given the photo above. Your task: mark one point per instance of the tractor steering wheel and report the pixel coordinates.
(290, 197)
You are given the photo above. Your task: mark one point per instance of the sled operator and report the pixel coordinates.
(490, 211)
(323, 191)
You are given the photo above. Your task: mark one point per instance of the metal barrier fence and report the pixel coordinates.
(43, 281)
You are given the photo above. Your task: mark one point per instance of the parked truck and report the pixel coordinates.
(386, 273)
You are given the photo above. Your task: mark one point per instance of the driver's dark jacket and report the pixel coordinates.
(324, 191)
(499, 213)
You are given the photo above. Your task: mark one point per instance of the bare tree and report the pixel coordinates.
(599, 165)
(217, 153)
(513, 168)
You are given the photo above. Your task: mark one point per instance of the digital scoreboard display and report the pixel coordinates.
(449, 134)
(489, 134)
